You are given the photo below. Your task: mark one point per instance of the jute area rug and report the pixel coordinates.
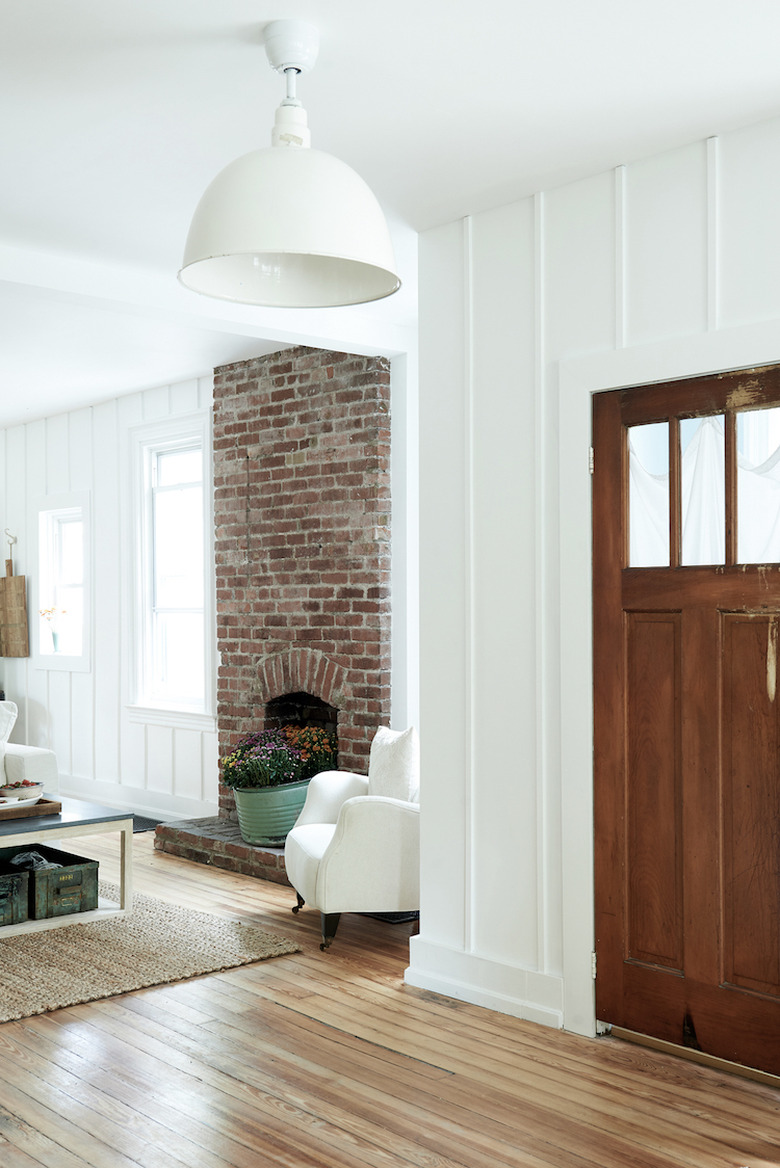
(157, 943)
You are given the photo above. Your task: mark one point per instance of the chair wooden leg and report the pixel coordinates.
(330, 922)
(301, 902)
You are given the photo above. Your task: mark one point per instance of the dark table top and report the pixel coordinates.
(75, 813)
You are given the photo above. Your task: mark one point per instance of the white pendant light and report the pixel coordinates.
(288, 226)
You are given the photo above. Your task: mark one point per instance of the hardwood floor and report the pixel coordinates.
(330, 1061)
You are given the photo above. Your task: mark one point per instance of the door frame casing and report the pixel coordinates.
(578, 380)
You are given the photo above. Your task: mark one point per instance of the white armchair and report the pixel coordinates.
(355, 846)
(33, 763)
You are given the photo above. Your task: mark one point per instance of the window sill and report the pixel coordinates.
(181, 719)
(63, 662)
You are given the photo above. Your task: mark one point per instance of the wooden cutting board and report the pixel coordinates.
(14, 640)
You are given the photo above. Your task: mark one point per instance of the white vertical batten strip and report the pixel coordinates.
(540, 605)
(206, 404)
(91, 585)
(120, 597)
(713, 234)
(469, 614)
(621, 305)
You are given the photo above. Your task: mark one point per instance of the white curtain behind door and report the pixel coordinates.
(703, 504)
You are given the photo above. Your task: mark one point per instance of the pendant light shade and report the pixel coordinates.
(288, 226)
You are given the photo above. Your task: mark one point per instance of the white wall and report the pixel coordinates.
(665, 268)
(161, 764)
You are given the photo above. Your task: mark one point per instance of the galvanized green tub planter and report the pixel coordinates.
(266, 814)
(269, 772)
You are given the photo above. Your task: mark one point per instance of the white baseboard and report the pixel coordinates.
(521, 993)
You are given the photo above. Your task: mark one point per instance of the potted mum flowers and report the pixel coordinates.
(269, 773)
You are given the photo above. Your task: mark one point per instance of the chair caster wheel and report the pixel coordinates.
(296, 908)
(323, 947)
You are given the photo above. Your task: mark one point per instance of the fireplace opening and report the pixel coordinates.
(301, 709)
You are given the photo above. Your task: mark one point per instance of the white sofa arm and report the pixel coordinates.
(372, 864)
(33, 763)
(327, 792)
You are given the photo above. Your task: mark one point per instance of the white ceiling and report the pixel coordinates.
(117, 113)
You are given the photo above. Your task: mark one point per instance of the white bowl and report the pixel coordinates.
(16, 793)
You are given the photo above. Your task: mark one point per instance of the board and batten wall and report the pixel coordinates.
(663, 268)
(159, 763)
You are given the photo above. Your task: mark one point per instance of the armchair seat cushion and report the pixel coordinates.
(34, 763)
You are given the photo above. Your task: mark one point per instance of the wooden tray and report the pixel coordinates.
(44, 806)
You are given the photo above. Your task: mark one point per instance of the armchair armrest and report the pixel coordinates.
(372, 864)
(327, 793)
(34, 763)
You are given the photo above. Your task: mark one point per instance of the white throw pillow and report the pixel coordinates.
(394, 764)
(8, 713)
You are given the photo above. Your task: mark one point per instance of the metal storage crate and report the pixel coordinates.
(54, 892)
(13, 898)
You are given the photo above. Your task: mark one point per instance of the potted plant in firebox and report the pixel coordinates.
(269, 773)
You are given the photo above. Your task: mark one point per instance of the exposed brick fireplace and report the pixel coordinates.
(302, 541)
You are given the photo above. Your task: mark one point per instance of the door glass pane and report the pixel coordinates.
(758, 486)
(703, 449)
(648, 495)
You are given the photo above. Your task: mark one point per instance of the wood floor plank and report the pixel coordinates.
(328, 1060)
(582, 1127)
(171, 1104)
(85, 1077)
(260, 1094)
(328, 1086)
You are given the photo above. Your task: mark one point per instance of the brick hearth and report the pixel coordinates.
(218, 841)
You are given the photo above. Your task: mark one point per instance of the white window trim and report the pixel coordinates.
(69, 663)
(179, 719)
(173, 431)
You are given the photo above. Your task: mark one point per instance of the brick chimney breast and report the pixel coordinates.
(302, 540)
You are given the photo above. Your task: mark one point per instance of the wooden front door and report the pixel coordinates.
(687, 718)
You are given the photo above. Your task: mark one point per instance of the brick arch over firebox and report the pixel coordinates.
(305, 671)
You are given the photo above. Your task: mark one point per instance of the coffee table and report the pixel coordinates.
(76, 818)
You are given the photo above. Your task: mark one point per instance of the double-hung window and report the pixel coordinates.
(173, 643)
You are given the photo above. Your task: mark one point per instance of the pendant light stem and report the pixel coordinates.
(292, 76)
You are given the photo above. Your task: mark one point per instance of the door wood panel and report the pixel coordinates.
(653, 826)
(751, 804)
(687, 754)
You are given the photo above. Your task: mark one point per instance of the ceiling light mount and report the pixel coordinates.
(288, 226)
(291, 44)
